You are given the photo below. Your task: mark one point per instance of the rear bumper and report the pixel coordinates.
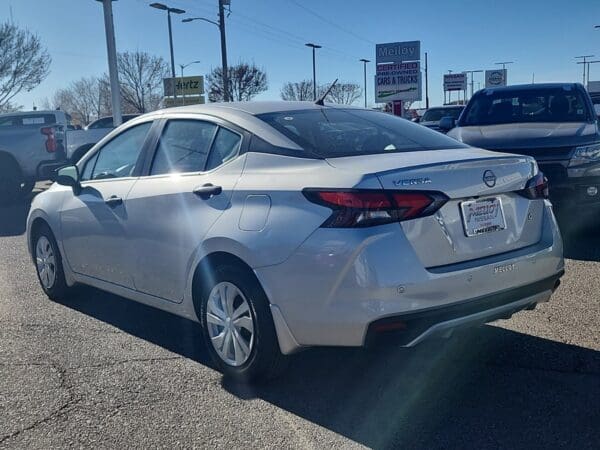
(569, 186)
(335, 286)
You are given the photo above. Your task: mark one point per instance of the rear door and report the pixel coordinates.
(188, 186)
(94, 222)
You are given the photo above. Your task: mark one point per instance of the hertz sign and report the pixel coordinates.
(183, 86)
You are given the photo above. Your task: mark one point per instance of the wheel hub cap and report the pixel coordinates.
(45, 262)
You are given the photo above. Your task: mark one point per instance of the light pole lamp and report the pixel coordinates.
(183, 66)
(314, 47)
(169, 10)
(365, 61)
(221, 26)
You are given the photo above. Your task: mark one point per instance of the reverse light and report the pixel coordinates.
(537, 187)
(366, 207)
(585, 154)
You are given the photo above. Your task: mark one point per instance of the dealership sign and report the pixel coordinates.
(398, 82)
(495, 78)
(183, 86)
(455, 82)
(397, 52)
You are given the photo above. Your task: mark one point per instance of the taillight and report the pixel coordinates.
(537, 187)
(50, 139)
(365, 207)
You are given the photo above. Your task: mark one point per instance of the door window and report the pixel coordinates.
(119, 156)
(183, 147)
(225, 147)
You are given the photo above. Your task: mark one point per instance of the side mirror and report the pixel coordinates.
(69, 176)
(416, 119)
(447, 123)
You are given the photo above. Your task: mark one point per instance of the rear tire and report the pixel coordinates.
(10, 181)
(49, 267)
(238, 326)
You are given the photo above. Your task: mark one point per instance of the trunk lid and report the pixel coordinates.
(441, 239)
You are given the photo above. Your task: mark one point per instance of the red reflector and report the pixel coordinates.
(415, 203)
(50, 139)
(359, 200)
(390, 326)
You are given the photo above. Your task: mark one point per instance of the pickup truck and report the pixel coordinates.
(34, 144)
(32, 147)
(556, 124)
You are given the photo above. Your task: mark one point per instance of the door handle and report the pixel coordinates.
(113, 201)
(207, 190)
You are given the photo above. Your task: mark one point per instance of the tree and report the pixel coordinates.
(24, 63)
(246, 81)
(82, 99)
(344, 93)
(140, 77)
(298, 91)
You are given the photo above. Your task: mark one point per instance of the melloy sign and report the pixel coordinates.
(398, 82)
(398, 52)
(455, 82)
(495, 78)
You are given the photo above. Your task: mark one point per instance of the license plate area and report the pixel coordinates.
(482, 216)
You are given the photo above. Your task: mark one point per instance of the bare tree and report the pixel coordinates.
(344, 93)
(24, 63)
(298, 91)
(141, 75)
(81, 99)
(246, 81)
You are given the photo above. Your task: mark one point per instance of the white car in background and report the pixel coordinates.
(285, 225)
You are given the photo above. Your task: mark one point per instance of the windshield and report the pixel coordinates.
(436, 114)
(329, 132)
(560, 104)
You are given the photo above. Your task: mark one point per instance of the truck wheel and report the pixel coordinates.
(27, 187)
(10, 181)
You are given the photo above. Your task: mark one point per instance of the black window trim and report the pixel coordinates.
(152, 149)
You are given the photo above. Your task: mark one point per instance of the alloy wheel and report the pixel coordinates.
(45, 262)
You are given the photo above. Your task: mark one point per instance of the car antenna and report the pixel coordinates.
(321, 99)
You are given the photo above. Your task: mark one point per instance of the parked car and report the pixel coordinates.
(554, 123)
(31, 149)
(431, 118)
(285, 225)
(80, 141)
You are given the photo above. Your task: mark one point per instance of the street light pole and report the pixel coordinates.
(584, 57)
(365, 61)
(169, 11)
(426, 82)
(183, 66)
(111, 49)
(314, 47)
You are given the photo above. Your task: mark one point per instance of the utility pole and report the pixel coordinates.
(588, 64)
(314, 47)
(426, 83)
(111, 50)
(472, 72)
(364, 61)
(169, 11)
(584, 57)
(224, 49)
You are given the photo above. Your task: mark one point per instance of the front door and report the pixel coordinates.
(94, 222)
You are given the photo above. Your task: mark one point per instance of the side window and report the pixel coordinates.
(118, 157)
(183, 147)
(86, 173)
(225, 147)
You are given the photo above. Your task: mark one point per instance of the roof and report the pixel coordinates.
(253, 108)
(523, 87)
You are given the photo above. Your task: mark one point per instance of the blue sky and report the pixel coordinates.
(541, 36)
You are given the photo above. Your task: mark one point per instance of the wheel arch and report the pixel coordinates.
(7, 158)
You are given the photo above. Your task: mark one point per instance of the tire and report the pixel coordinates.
(246, 356)
(46, 255)
(26, 188)
(10, 181)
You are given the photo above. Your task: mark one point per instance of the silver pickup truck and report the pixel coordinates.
(34, 144)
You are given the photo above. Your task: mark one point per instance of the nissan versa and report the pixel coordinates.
(284, 225)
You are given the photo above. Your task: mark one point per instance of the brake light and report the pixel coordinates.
(537, 187)
(50, 139)
(365, 208)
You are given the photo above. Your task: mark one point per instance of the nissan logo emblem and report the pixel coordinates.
(489, 178)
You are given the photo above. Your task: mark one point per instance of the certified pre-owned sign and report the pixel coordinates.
(398, 52)
(398, 82)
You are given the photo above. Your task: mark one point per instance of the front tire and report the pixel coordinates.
(238, 327)
(48, 264)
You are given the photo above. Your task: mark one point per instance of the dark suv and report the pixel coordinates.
(555, 123)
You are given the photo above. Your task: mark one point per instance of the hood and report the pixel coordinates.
(527, 135)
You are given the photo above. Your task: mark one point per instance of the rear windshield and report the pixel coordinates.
(329, 132)
(27, 120)
(560, 104)
(436, 114)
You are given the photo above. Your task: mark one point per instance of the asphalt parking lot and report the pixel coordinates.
(102, 371)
